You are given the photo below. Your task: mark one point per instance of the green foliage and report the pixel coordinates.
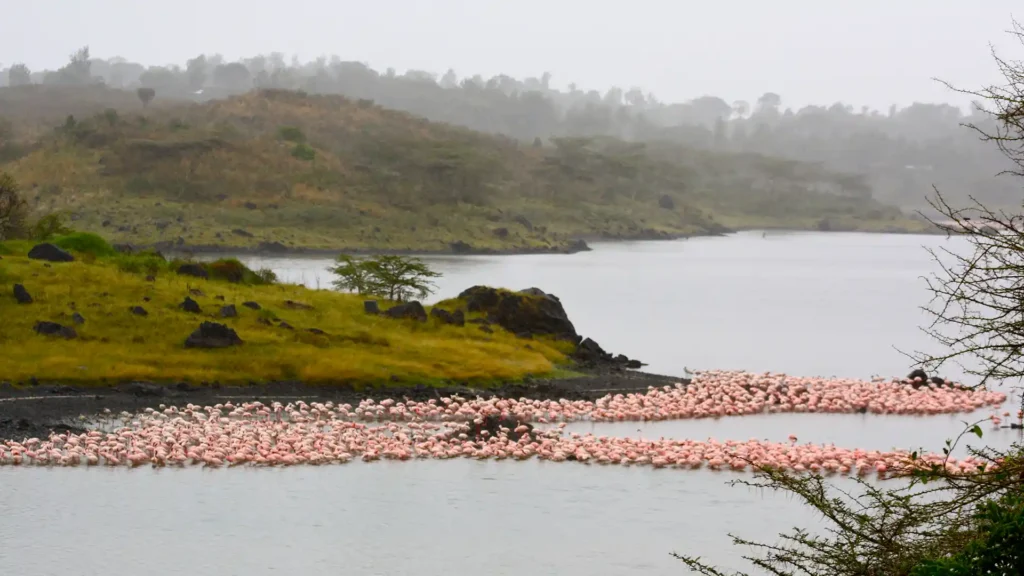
(232, 270)
(392, 277)
(143, 263)
(998, 545)
(291, 134)
(304, 152)
(267, 275)
(48, 227)
(13, 210)
(86, 243)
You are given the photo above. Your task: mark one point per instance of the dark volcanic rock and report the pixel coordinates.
(272, 247)
(242, 233)
(486, 329)
(286, 325)
(534, 312)
(525, 223)
(251, 304)
(500, 232)
(139, 311)
(212, 335)
(190, 305)
(493, 426)
(193, 269)
(577, 246)
(78, 318)
(444, 316)
(666, 202)
(297, 305)
(55, 329)
(371, 307)
(50, 253)
(22, 295)
(460, 247)
(228, 311)
(412, 310)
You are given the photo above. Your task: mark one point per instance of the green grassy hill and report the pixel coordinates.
(326, 172)
(316, 336)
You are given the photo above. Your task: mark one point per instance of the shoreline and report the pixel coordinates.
(577, 246)
(36, 411)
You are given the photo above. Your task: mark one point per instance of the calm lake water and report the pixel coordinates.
(803, 303)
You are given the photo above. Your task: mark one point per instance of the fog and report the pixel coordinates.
(868, 53)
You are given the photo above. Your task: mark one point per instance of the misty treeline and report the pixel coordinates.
(903, 152)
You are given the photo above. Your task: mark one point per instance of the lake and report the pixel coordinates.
(803, 303)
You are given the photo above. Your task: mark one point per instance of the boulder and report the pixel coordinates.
(139, 311)
(411, 310)
(460, 247)
(212, 335)
(534, 312)
(500, 232)
(578, 245)
(251, 304)
(590, 351)
(456, 318)
(228, 311)
(666, 202)
(242, 233)
(495, 426)
(292, 304)
(49, 253)
(371, 307)
(78, 318)
(275, 247)
(55, 329)
(193, 269)
(190, 305)
(22, 295)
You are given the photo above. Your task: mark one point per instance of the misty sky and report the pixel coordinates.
(869, 52)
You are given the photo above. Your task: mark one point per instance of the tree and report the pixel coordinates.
(234, 76)
(392, 277)
(944, 521)
(19, 75)
(13, 209)
(145, 95)
(195, 69)
(769, 102)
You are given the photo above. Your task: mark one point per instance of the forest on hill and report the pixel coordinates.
(295, 170)
(901, 153)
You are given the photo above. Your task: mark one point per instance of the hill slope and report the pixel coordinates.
(326, 172)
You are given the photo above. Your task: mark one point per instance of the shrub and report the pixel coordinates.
(48, 227)
(86, 243)
(304, 152)
(267, 275)
(291, 134)
(231, 270)
(144, 262)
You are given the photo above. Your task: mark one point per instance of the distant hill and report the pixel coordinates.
(333, 173)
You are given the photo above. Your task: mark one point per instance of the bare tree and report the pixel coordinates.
(977, 308)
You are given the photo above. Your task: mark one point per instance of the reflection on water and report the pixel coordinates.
(808, 304)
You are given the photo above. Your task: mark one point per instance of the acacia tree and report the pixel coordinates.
(392, 277)
(941, 522)
(145, 95)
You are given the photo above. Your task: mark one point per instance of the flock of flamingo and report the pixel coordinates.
(276, 434)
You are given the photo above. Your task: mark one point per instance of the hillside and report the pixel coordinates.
(326, 172)
(287, 332)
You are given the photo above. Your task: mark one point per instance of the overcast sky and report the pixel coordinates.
(868, 52)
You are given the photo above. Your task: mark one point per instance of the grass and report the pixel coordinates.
(231, 173)
(114, 345)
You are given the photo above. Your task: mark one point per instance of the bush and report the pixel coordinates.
(86, 243)
(304, 152)
(232, 270)
(13, 209)
(267, 275)
(48, 227)
(291, 134)
(144, 262)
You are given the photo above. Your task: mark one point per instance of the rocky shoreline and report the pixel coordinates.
(36, 411)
